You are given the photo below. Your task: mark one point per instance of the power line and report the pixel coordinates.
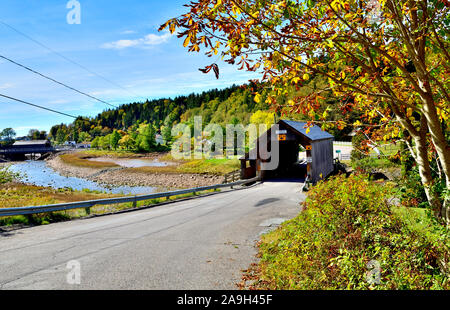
(38, 106)
(55, 81)
(68, 59)
(54, 111)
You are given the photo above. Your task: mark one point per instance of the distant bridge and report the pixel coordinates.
(19, 150)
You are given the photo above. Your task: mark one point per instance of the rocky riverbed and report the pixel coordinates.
(121, 176)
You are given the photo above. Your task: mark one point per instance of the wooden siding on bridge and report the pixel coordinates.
(322, 159)
(319, 145)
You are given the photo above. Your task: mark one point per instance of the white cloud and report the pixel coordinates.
(148, 40)
(128, 32)
(58, 102)
(6, 86)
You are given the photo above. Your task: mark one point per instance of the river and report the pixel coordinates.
(39, 174)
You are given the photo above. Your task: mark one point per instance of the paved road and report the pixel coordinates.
(202, 243)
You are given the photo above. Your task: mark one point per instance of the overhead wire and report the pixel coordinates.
(37, 106)
(70, 60)
(55, 81)
(52, 110)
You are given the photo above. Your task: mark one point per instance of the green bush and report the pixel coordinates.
(370, 164)
(356, 153)
(347, 223)
(34, 219)
(6, 175)
(412, 190)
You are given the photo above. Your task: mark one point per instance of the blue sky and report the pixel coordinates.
(116, 39)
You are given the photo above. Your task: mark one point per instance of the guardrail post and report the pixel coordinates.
(30, 218)
(88, 205)
(88, 210)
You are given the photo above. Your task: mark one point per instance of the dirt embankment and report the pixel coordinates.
(122, 176)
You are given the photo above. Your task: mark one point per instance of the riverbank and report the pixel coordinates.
(169, 177)
(14, 194)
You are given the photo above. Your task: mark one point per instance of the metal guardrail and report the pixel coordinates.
(133, 199)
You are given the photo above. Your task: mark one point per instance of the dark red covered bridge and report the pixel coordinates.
(289, 136)
(20, 149)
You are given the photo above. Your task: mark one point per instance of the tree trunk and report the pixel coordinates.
(442, 149)
(425, 173)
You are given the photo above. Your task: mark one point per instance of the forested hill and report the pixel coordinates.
(167, 111)
(230, 105)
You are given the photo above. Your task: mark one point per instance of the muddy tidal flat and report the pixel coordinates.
(121, 176)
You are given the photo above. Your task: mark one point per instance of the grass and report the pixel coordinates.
(371, 163)
(82, 160)
(420, 223)
(195, 166)
(346, 224)
(13, 195)
(6, 175)
(388, 149)
(213, 166)
(110, 153)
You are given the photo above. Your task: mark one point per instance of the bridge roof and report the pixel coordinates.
(31, 142)
(315, 132)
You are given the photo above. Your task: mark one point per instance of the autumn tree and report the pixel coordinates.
(388, 59)
(114, 139)
(61, 135)
(145, 138)
(35, 134)
(127, 142)
(263, 117)
(7, 134)
(84, 137)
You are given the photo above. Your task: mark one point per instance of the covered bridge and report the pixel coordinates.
(21, 148)
(289, 136)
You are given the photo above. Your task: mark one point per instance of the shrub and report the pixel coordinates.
(6, 175)
(371, 164)
(347, 223)
(412, 190)
(357, 143)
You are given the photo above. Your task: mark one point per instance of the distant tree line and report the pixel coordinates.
(8, 136)
(134, 126)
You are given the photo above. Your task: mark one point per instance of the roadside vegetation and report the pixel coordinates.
(6, 175)
(14, 195)
(343, 232)
(372, 66)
